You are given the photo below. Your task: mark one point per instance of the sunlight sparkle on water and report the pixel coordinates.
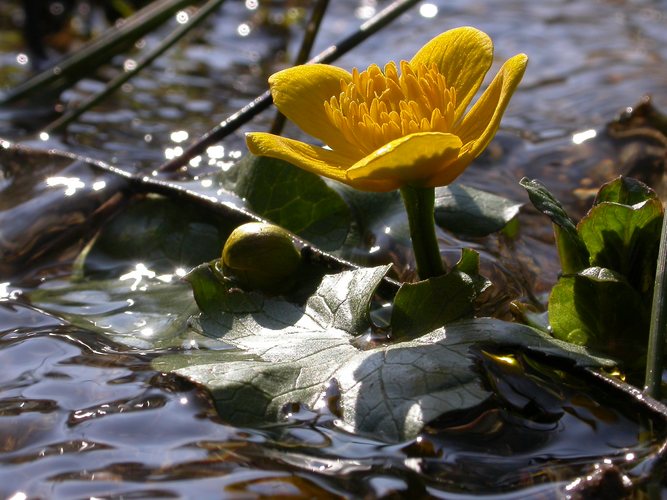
(99, 185)
(428, 10)
(580, 137)
(71, 184)
(171, 153)
(140, 272)
(43, 136)
(243, 29)
(22, 59)
(129, 65)
(19, 495)
(147, 332)
(251, 4)
(215, 152)
(179, 136)
(182, 17)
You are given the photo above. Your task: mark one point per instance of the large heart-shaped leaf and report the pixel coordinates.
(291, 352)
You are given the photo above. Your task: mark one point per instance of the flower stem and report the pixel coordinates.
(420, 205)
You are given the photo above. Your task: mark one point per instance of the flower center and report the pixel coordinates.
(376, 108)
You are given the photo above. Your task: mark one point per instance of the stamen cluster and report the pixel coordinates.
(378, 107)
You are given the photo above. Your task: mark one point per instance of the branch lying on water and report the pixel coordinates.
(312, 29)
(100, 50)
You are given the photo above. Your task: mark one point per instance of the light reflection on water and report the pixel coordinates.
(69, 394)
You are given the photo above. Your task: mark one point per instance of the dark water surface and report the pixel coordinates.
(83, 416)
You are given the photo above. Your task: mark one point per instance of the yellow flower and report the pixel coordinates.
(386, 129)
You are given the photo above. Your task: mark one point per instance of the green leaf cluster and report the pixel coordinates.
(603, 298)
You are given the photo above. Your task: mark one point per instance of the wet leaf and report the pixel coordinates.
(161, 233)
(294, 199)
(625, 238)
(626, 191)
(48, 201)
(429, 304)
(600, 309)
(571, 249)
(293, 351)
(466, 210)
(426, 305)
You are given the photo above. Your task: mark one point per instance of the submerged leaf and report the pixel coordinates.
(48, 201)
(161, 233)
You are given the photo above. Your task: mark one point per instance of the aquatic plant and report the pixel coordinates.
(385, 131)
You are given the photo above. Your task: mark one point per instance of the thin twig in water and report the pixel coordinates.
(100, 50)
(312, 28)
(210, 7)
(262, 102)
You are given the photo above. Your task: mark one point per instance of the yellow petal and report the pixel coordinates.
(299, 93)
(463, 56)
(481, 123)
(412, 159)
(450, 171)
(311, 158)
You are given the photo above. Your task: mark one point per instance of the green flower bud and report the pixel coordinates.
(261, 256)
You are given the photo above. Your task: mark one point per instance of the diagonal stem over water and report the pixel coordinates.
(207, 9)
(262, 102)
(100, 50)
(304, 53)
(658, 331)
